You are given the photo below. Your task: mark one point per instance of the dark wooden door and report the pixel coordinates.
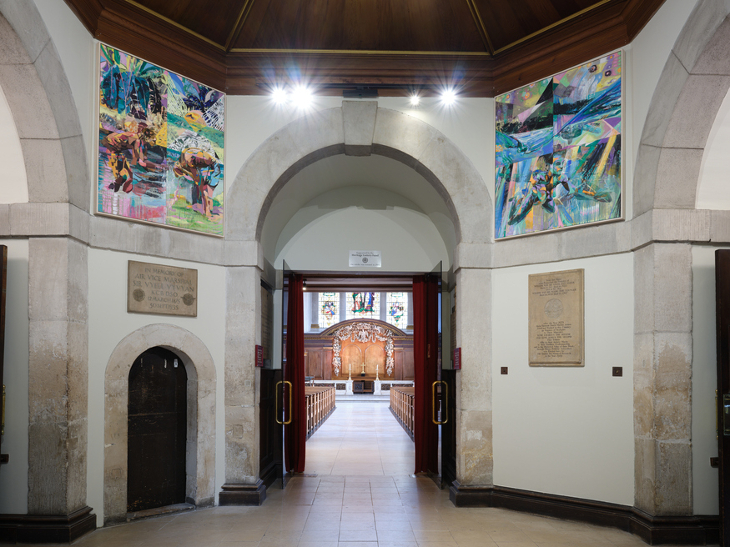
(270, 431)
(280, 388)
(3, 284)
(157, 431)
(448, 429)
(722, 295)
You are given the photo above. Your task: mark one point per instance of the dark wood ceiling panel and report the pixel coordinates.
(485, 47)
(371, 25)
(507, 23)
(213, 20)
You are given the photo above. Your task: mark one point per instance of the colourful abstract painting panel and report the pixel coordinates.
(161, 154)
(558, 151)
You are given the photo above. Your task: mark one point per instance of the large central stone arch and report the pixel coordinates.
(359, 128)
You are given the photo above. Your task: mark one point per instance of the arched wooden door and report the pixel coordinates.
(157, 431)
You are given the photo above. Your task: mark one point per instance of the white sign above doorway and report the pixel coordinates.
(365, 259)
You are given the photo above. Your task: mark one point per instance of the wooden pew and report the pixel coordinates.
(402, 405)
(320, 404)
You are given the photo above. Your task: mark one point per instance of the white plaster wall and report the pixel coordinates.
(109, 323)
(14, 181)
(704, 382)
(14, 474)
(566, 431)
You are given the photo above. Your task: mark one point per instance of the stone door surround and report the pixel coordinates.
(200, 482)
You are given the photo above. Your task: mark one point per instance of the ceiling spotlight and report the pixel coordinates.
(448, 97)
(302, 96)
(279, 95)
(415, 99)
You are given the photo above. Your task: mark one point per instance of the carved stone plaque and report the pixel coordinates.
(162, 290)
(556, 330)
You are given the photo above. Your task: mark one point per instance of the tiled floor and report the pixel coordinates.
(362, 496)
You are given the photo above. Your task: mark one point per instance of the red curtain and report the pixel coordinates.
(425, 352)
(295, 434)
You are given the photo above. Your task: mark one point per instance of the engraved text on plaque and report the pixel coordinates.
(556, 334)
(162, 290)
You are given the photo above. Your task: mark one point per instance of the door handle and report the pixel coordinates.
(276, 402)
(433, 402)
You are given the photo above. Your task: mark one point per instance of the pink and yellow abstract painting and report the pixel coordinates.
(161, 145)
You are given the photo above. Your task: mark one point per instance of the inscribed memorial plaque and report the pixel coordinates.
(556, 334)
(162, 290)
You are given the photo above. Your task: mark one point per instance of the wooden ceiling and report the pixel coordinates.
(484, 47)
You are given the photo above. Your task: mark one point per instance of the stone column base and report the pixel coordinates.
(47, 528)
(242, 494)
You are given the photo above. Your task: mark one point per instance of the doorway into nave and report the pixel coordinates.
(363, 355)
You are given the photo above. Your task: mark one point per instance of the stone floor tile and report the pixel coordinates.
(357, 501)
(358, 535)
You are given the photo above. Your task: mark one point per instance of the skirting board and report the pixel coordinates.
(46, 528)
(242, 494)
(689, 530)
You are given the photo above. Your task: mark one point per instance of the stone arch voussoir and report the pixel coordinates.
(40, 99)
(330, 132)
(691, 88)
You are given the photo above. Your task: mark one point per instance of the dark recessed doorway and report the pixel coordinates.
(157, 431)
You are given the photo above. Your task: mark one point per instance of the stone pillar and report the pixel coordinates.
(662, 379)
(58, 384)
(243, 332)
(474, 463)
(314, 309)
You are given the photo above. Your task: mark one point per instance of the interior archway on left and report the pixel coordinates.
(200, 482)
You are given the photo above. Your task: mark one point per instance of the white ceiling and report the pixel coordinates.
(313, 187)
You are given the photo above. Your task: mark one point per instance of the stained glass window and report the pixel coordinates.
(363, 304)
(397, 311)
(329, 309)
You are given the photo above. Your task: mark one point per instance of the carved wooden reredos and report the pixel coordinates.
(366, 345)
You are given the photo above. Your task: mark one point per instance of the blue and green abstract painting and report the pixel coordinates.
(558, 151)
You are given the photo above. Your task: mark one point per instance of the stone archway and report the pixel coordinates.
(200, 486)
(43, 109)
(686, 101)
(357, 128)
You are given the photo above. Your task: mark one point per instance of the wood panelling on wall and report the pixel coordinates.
(318, 356)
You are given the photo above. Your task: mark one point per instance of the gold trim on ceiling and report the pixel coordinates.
(480, 26)
(362, 52)
(472, 7)
(238, 27)
(175, 24)
(552, 26)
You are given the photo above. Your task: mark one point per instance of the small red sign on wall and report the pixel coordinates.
(457, 358)
(259, 356)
